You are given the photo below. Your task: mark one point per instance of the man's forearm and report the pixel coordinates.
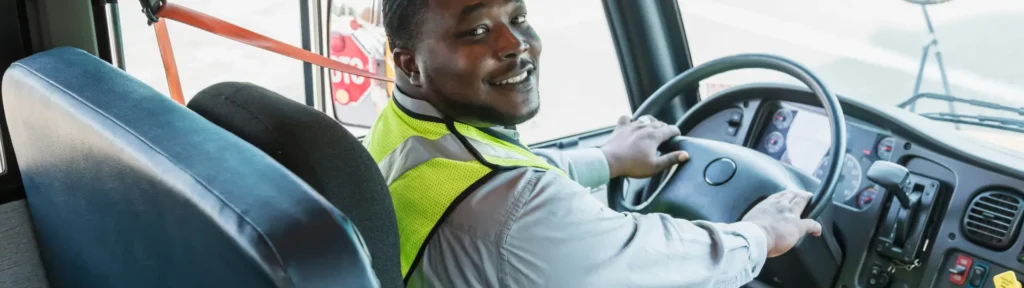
(586, 166)
(738, 263)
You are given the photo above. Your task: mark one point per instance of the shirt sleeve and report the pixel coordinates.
(563, 237)
(586, 166)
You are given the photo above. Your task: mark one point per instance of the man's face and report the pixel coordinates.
(479, 61)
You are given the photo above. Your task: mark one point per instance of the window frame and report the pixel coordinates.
(323, 100)
(308, 70)
(646, 33)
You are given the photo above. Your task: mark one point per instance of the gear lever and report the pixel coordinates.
(902, 234)
(894, 178)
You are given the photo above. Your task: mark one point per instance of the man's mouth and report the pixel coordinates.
(514, 78)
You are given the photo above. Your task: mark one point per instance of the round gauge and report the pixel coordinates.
(867, 196)
(782, 119)
(885, 148)
(774, 142)
(849, 177)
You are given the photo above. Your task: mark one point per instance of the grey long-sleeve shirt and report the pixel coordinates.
(533, 228)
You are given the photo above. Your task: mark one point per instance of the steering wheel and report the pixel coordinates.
(722, 181)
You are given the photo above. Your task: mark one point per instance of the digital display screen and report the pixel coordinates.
(807, 140)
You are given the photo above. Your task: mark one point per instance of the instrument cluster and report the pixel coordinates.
(798, 135)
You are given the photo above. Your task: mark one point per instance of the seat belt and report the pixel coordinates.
(157, 9)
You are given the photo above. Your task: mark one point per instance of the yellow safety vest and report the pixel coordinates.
(431, 164)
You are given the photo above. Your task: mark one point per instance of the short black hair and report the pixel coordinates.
(401, 21)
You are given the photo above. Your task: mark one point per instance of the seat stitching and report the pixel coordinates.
(277, 146)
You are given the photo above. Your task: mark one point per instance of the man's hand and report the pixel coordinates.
(779, 216)
(633, 148)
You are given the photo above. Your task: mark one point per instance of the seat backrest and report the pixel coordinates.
(128, 189)
(320, 151)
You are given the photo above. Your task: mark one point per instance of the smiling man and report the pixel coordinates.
(476, 208)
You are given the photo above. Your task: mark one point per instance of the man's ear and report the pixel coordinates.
(405, 61)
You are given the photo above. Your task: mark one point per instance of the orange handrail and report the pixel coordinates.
(163, 40)
(234, 32)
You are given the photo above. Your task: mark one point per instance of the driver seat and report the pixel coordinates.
(320, 151)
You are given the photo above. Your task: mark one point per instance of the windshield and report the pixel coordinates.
(873, 50)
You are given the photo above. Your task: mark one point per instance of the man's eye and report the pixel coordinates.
(478, 31)
(519, 19)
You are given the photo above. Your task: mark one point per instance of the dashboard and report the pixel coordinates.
(962, 230)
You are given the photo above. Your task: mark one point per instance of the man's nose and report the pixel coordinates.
(511, 45)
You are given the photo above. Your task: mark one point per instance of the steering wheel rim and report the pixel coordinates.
(675, 87)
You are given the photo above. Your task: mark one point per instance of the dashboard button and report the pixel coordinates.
(735, 118)
(958, 273)
(878, 277)
(978, 275)
(731, 130)
(881, 280)
(875, 270)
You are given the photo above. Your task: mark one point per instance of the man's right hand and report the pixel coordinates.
(632, 150)
(779, 216)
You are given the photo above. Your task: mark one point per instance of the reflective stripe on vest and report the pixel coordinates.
(430, 165)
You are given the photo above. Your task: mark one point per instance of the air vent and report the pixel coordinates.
(993, 219)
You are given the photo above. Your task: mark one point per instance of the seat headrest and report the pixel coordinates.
(320, 151)
(128, 189)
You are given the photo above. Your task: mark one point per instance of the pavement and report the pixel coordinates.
(869, 49)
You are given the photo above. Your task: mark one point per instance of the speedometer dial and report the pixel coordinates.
(849, 177)
(867, 197)
(774, 142)
(782, 119)
(885, 147)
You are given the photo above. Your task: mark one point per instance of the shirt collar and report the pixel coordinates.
(424, 108)
(416, 105)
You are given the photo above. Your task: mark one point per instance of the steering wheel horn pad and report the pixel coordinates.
(719, 171)
(755, 177)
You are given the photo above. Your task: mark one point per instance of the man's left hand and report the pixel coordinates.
(632, 150)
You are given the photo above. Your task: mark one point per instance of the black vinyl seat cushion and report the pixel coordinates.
(128, 189)
(321, 152)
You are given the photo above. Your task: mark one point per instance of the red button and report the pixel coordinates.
(965, 261)
(957, 279)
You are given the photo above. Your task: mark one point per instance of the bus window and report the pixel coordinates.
(356, 37)
(205, 59)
